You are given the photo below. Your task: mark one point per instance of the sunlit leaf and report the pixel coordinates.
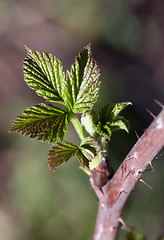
(119, 123)
(44, 121)
(89, 122)
(88, 149)
(110, 111)
(96, 160)
(104, 129)
(61, 153)
(116, 108)
(77, 90)
(83, 81)
(108, 119)
(43, 72)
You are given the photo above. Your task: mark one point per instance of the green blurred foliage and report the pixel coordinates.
(121, 29)
(160, 238)
(133, 235)
(53, 206)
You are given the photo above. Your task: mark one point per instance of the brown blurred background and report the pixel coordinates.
(127, 38)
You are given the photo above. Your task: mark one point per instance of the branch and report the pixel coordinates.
(117, 190)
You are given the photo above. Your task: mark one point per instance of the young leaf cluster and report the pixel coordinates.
(76, 91)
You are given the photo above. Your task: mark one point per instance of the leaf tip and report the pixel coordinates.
(129, 103)
(88, 47)
(13, 128)
(51, 168)
(27, 48)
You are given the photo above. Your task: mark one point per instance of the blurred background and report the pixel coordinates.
(127, 38)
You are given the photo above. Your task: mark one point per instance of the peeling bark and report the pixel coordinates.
(114, 194)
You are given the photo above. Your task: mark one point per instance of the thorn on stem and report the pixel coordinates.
(159, 103)
(137, 135)
(141, 180)
(151, 166)
(124, 226)
(151, 113)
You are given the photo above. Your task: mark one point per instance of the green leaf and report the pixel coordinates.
(91, 146)
(61, 153)
(88, 149)
(82, 80)
(118, 107)
(43, 72)
(88, 121)
(110, 111)
(44, 121)
(104, 129)
(96, 161)
(119, 123)
(108, 119)
(90, 154)
(64, 151)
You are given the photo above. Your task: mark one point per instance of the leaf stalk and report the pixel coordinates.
(77, 125)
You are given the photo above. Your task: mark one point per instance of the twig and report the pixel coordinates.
(117, 190)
